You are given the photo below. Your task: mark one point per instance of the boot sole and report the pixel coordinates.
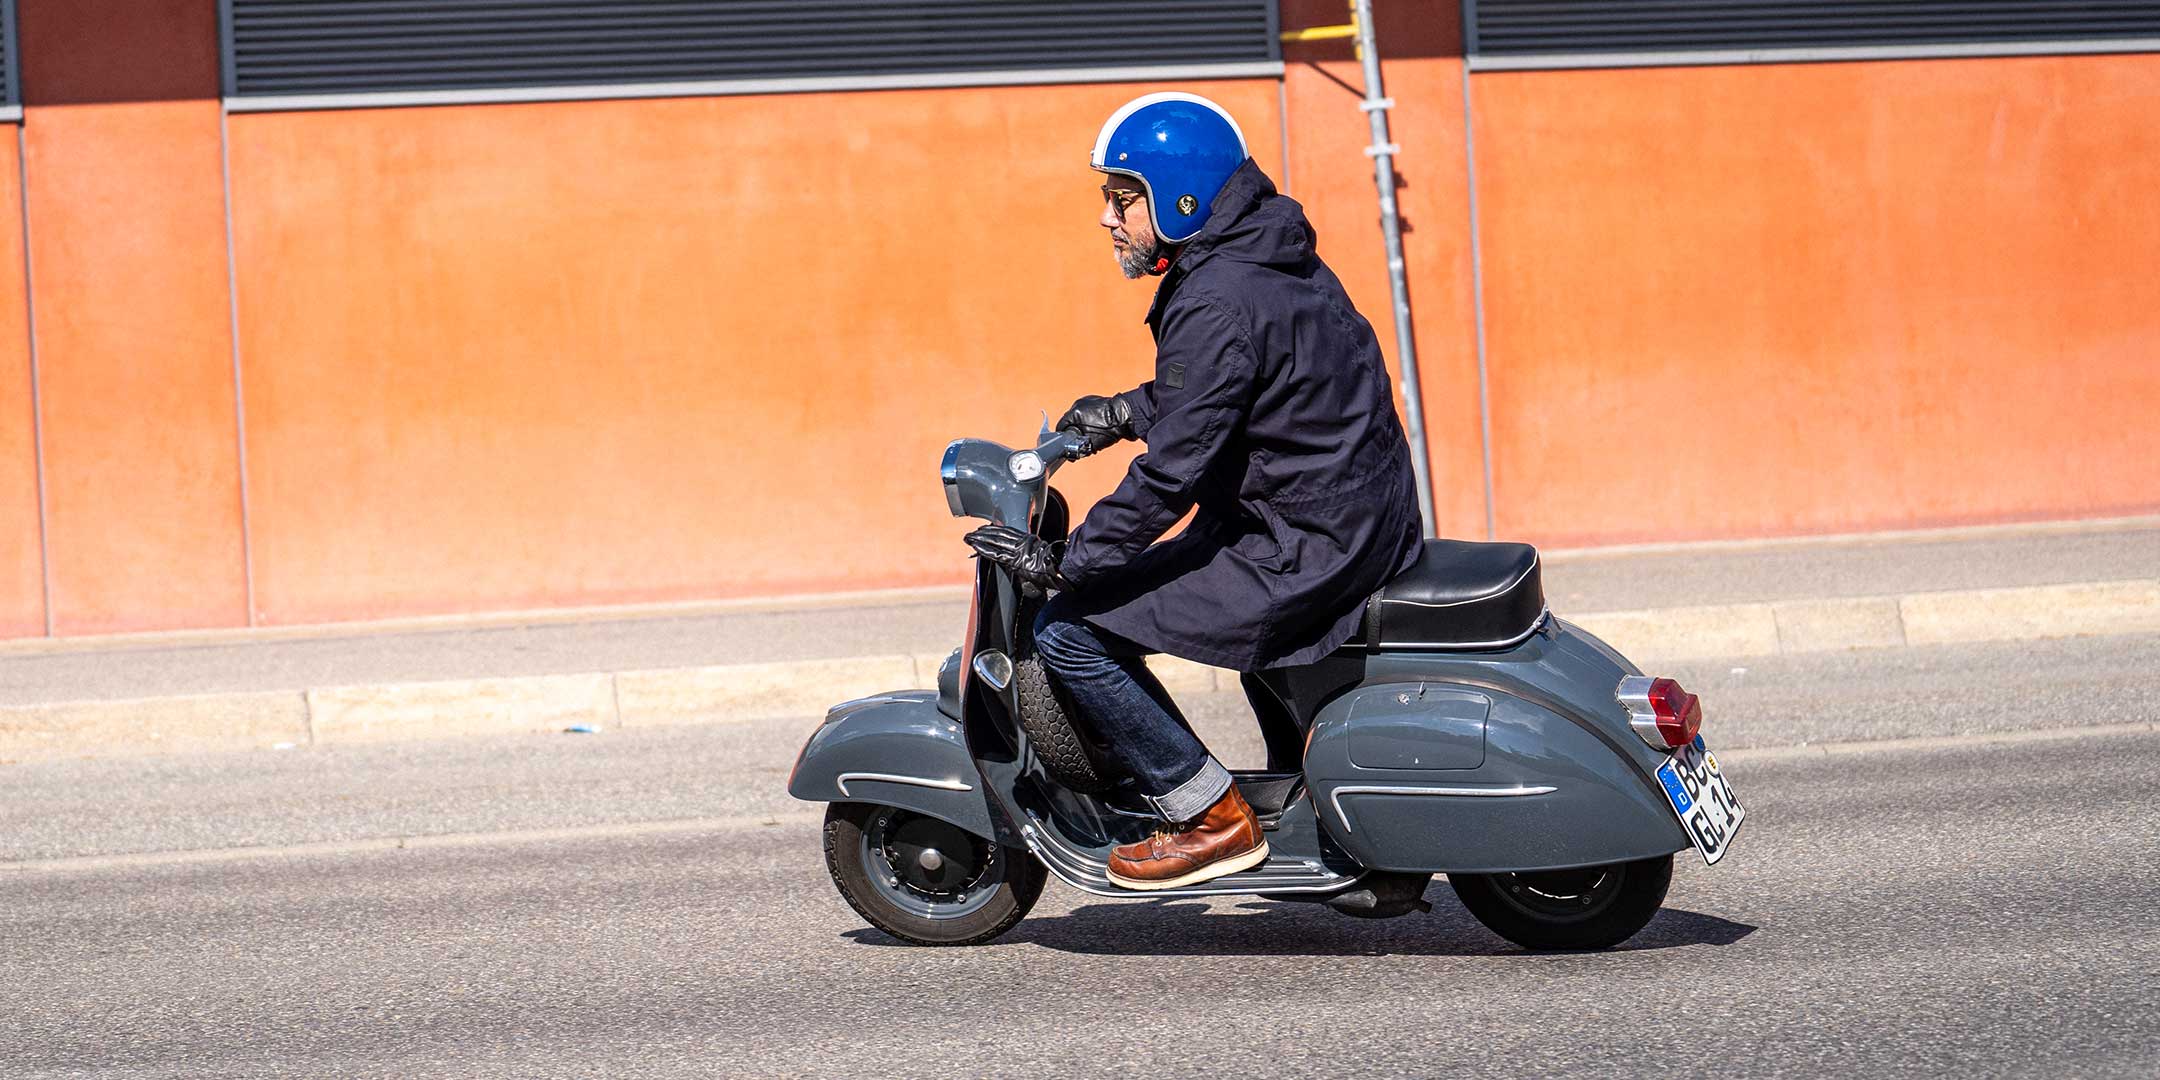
(1210, 872)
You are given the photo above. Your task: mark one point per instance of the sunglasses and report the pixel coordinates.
(1121, 199)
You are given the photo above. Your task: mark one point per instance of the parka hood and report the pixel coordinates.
(1248, 222)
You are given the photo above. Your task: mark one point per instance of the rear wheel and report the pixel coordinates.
(925, 880)
(1595, 907)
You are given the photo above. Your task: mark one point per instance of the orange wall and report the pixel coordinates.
(22, 585)
(127, 246)
(512, 356)
(1775, 299)
(1421, 69)
(584, 353)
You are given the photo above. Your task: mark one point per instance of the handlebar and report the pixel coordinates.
(986, 480)
(1061, 446)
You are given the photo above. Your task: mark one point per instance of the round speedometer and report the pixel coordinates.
(1026, 466)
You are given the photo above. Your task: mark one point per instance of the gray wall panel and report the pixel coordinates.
(1566, 33)
(10, 67)
(299, 47)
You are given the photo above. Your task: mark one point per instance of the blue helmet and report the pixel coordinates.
(1181, 147)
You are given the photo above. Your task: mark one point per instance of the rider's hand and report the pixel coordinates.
(1100, 421)
(1031, 558)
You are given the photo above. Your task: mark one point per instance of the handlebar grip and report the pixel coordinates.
(1066, 446)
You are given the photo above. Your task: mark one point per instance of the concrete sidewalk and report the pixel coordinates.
(715, 663)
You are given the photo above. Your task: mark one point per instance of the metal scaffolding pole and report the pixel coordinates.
(1382, 151)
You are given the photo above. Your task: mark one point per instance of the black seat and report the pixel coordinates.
(1459, 595)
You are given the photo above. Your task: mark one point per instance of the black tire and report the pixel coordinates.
(994, 885)
(1066, 752)
(1596, 907)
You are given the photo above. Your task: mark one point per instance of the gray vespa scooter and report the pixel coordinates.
(1464, 732)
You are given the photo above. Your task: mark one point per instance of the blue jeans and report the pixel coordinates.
(1107, 682)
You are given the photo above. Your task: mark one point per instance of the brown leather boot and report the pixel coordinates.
(1224, 840)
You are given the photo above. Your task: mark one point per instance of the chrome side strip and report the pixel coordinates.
(1335, 796)
(889, 778)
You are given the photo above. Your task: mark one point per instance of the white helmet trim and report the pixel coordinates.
(1110, 126)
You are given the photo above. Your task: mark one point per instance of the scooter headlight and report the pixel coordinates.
(949, 471)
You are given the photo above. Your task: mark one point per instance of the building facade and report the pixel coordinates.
(355, 309)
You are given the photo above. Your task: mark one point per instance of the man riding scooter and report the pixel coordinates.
(1272, 414)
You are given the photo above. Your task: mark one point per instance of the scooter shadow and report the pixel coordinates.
(1264, 928)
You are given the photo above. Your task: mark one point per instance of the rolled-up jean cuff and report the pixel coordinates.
(1193, 797)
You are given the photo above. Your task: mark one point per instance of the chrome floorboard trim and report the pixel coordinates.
(1082, 871)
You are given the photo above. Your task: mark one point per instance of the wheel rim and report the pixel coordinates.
(1562, 895)
(927, 867)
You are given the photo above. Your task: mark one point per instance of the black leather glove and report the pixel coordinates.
(1031, 558)
(1102, 421)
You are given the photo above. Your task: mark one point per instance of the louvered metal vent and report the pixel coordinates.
(1520, 33)
(10, 77)
(301, 47)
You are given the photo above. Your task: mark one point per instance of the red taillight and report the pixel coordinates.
(1679, 713)
(1665, 715)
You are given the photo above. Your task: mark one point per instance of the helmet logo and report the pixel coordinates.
(1186, 204)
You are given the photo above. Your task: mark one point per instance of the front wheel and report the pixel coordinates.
(1595, 907)
(924, 880)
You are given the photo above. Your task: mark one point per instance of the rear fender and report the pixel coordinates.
(897, 750)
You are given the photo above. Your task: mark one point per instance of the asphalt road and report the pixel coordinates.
(1968, 904)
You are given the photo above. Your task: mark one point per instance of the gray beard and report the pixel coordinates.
(1135, 262)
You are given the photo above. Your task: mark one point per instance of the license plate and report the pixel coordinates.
(1704, 799)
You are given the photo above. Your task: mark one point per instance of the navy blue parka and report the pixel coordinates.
(1272, 413)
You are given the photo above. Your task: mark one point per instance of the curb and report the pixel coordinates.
(735, 693)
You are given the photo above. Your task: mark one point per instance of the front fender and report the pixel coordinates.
(896, 750)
